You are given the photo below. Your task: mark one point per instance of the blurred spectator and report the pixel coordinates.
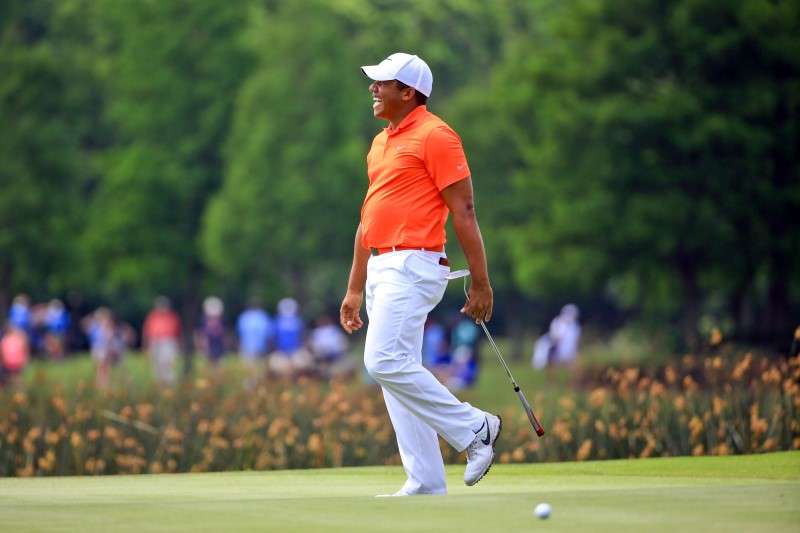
(464, 359)
(212, 332)
(435, 347)
(559, 346)
(56, 325)
(161, 337)
(329, 346)
(256, 331)
(290, 356)
(20, 314)
(108, 342)
(38, 328)
(13, 353)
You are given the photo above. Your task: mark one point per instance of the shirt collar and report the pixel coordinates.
(408, 120)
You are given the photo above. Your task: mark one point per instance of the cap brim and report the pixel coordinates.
(375, 72)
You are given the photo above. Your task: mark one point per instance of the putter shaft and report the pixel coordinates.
(537, 427)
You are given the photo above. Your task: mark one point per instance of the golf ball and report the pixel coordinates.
(542, 510)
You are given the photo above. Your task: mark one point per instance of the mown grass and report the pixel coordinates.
(742, 493)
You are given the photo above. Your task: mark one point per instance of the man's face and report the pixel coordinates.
(388, 99)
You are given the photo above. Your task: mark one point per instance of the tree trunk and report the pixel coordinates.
(775, 326)
(189, 310)
(691, 304)
(6, 272)
(740, 304)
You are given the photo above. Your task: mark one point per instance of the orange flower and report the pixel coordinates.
(47, 462)
(219, 443)
(518, 455)
(566, 403)
(584, 451)
(631, 374)
(742, 367)
(173, 434)
(657, 389)
(718, 405)
(716, 337)
(20, 399)
(314, 443)
(52, 437)
(562, 432)
(772, 375)
(111, 433)
(145, 411)
(722, 449)
(679, 402)
(670, 375)
(758, 426)
(59, 404)
(597, 397)
(696, 427)
(649, 448)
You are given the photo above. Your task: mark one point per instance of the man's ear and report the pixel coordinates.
(409, 93)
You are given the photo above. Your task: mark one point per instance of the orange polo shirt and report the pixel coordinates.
(408, 166)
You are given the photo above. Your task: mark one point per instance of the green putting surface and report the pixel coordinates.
(742, 493)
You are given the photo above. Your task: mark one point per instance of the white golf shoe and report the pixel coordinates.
(480, 453)
(403, 492)
(397, 494)
(411, 488)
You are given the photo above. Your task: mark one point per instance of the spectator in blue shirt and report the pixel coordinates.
(256, 332)
(19, 315)
(290, 356)
(56, 324)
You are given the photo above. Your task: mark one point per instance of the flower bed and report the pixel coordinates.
(712, 405)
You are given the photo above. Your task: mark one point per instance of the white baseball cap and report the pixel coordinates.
(409, 69)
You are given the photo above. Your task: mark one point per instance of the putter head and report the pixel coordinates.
(457, 274)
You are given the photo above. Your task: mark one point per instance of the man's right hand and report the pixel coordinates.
(348, 314)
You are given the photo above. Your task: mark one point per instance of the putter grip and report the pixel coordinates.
(537, 427)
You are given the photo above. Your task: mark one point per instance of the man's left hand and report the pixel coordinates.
(479, 303)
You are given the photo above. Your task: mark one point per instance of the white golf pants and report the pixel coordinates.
(402, 288)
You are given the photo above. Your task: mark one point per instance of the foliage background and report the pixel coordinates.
(637, 158)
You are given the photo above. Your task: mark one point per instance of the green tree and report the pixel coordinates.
(285, 218)
(172, 71)
(657, 147)
(45, 107)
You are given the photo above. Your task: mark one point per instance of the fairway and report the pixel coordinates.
(744, 493)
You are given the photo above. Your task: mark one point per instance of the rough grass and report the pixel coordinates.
(742, 493)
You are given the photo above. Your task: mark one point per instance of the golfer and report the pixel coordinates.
(418, 174)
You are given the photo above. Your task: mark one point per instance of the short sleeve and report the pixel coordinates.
(444, 157)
